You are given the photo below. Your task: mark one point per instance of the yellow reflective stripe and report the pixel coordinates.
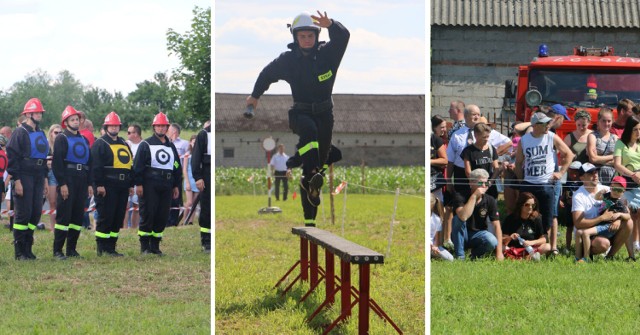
(143, 233)
(326, 166)
(61, 227)
(156, 234)
(20, 226)
(31, 226)
(307, 147)
(102, 235)
(309, 221)
(205, 230)
(325, 76)
(113, 234)
(75, 227)
(176, 164)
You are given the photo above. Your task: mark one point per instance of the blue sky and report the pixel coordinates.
(108, 44)
(386, 52)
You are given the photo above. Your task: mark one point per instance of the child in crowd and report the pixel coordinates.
(611, 201)
(436, 231)
(572, 184)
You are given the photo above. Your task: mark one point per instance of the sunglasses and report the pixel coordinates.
(129, 132)
(617, 189)
(56, 132)
(484, 183)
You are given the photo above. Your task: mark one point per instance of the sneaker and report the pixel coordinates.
(536, 256)
(581, 260)
(59, 256)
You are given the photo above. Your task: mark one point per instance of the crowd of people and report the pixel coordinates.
(592, 175)
(71, 168)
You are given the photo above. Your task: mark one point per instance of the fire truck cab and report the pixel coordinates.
(590, 79)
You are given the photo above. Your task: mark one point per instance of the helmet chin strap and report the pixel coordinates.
(160, 135)
(112, 134)
(72, 128)
(34, 120)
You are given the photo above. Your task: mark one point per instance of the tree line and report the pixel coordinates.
(184, 94)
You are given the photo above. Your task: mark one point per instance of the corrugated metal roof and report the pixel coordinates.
(537, 13)
(353, 113)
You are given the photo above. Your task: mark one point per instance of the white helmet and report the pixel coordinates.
(303, 22)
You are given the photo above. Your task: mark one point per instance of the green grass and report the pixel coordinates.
(555, 296)
(134, 294)
(253, 251)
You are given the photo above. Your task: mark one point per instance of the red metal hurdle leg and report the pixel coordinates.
(313, 263)
(363, 309)
(304, 259)
(329, 277)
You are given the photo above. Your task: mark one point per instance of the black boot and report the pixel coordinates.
(205, 239)
(100, 245)
(29, 245)
(154, 245)
(19, 244)
(144, 244)
(111, 247)
(59, 236)
(72, 242)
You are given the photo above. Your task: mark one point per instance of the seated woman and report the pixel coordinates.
(525, 223)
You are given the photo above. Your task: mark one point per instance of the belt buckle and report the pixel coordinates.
(168, 176)
(79, 167)
(39, 161)
(121, 176)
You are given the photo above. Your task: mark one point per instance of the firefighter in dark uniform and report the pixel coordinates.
(201, 167)
(27, 153)
(111, 169)
(156, 174)
(70, 165)
(310, 68)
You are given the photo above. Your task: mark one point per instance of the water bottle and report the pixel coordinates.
(248, 113)
(528, 248)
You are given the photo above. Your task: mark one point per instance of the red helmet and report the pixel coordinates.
(33, 106)
(160, 120)
(67, 113)
(112, 119)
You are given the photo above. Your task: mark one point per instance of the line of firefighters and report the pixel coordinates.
(105, 170)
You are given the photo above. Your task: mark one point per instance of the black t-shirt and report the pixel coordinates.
(528, 229)
(486, 208)
(436, 143)
(478, 158)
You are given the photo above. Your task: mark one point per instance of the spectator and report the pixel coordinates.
(86, 128)
(456, 113)
(52, 183)
(625, 110)
(6, 132)
(511, 181)
(472, 213)
(182, 147)
(525, 223)
(577, 139)
(626, 161)
(132, 218)
(482, 155)
(438, 156)
(585, 210)
(201, 165)
(278, 165)
(536, 168)
(190, 188)
(600, 146)
(437, 251)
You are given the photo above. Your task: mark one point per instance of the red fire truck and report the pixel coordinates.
(590, 79)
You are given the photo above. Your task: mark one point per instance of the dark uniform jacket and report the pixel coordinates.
(201, 155)
(311, 77)
(71, 157)
(155, 160)
(112, 162)
(27, 152)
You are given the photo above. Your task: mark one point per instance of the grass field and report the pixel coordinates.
(134, 294)
(253, 251)
(553, 296)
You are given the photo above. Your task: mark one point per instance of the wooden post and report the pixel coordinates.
(333, 211)
(363, 180)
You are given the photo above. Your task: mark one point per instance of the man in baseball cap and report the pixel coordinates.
(540, 118)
